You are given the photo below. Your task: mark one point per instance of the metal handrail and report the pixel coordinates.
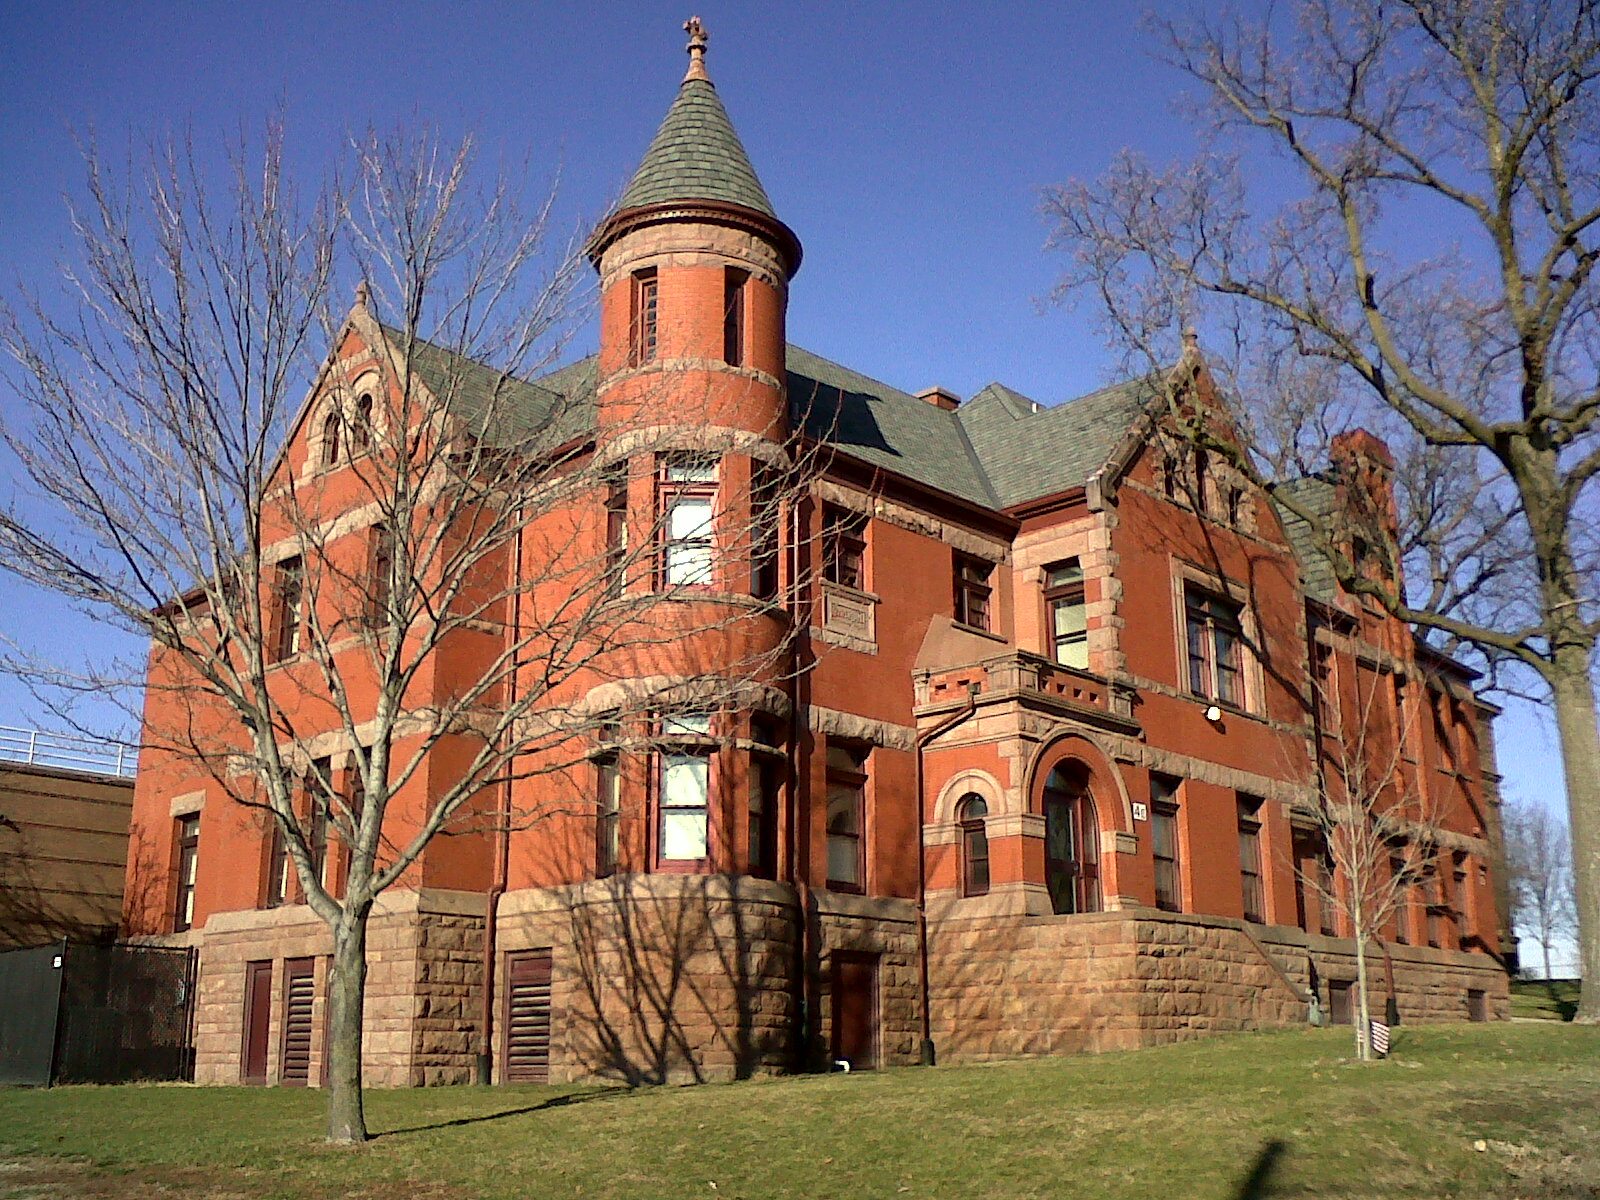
(68, 752)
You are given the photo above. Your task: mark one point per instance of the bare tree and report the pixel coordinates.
(427, 554)
(1378, 830)
(1539, 863)
(1431, 277)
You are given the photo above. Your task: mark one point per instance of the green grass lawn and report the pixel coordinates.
(1282, 1114)
(1544, 1000)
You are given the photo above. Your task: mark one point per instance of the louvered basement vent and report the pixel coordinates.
(528, 1017)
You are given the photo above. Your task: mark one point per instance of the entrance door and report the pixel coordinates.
(1071, 844)
(527, 1020)
(257, 1012)
(855, 1009)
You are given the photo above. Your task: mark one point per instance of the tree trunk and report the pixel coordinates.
(347, 986)
(1363, 1015)
(1580, 760)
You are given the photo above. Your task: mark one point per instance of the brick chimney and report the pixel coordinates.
(940, 398)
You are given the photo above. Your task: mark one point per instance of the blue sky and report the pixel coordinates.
(905, 143)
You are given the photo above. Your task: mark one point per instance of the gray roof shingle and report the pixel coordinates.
(696, 155)
(1027, 450)
(1321, 497)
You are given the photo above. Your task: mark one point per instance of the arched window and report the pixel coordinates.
(1071, 841)
(330, 438)
(361, 423)
(974, 845)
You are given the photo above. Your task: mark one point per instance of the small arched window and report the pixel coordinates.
(361, 423)
(974, 845)
(330, 438)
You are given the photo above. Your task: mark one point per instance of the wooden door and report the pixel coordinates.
(855, 1009)
(257, 1014)
(299, 995)
(1071, 845)
(527, 1017)
(1341, 1002)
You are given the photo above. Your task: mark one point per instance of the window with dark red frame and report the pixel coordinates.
(608, 804)
(1250, 859)
(765, 517)
(733, 297)
(683, 810)
(188, 839)
(381, 575)
(844, 547)
(846, 816)
(330, 438)
(972, 813)
(1215, 634)
(642, 325)
(972, 591)
(1164, 841)
(1068, 624)
(766, 773)
(616, 484)
(288, 607)
(688, 488)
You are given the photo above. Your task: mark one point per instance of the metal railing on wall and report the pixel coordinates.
(68, 752)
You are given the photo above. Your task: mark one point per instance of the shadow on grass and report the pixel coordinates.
(524, 1110)
(1258, 1183)
(1564, 1000)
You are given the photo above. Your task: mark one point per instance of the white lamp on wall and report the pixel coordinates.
(1213, 713)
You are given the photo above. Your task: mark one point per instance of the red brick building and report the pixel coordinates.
(1040, 784)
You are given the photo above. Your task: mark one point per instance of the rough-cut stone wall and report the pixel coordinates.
(424, 972)
(1106, 981)
(661, 978)
(888, 929)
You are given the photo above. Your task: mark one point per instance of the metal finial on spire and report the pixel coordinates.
(696, 30)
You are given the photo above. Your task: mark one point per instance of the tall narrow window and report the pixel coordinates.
(608, 805)
(971, 812)
(380, 575)
(685, 789)
(1215, 632)
(288, 607)
(1164, 842)
(1327, 907)
(761, 837)
(188, 833)
(643, 322)
(319, 793)
(330, 438)
(361, 423)
(1400, 881)
(276, 890)
(688, 487)
(1250, 858)
(616, 484)
(846, 818)
(764, 539)
(355, 802)
(1324, 686)
(733, 291)
(1068, 623)
(972, 591)
(844, 547)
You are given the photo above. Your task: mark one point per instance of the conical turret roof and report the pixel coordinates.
(696, 155)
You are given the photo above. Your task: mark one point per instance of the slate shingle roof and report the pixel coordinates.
(997, 450)
(696, 155)
(1321, 497)
(1027, 450)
